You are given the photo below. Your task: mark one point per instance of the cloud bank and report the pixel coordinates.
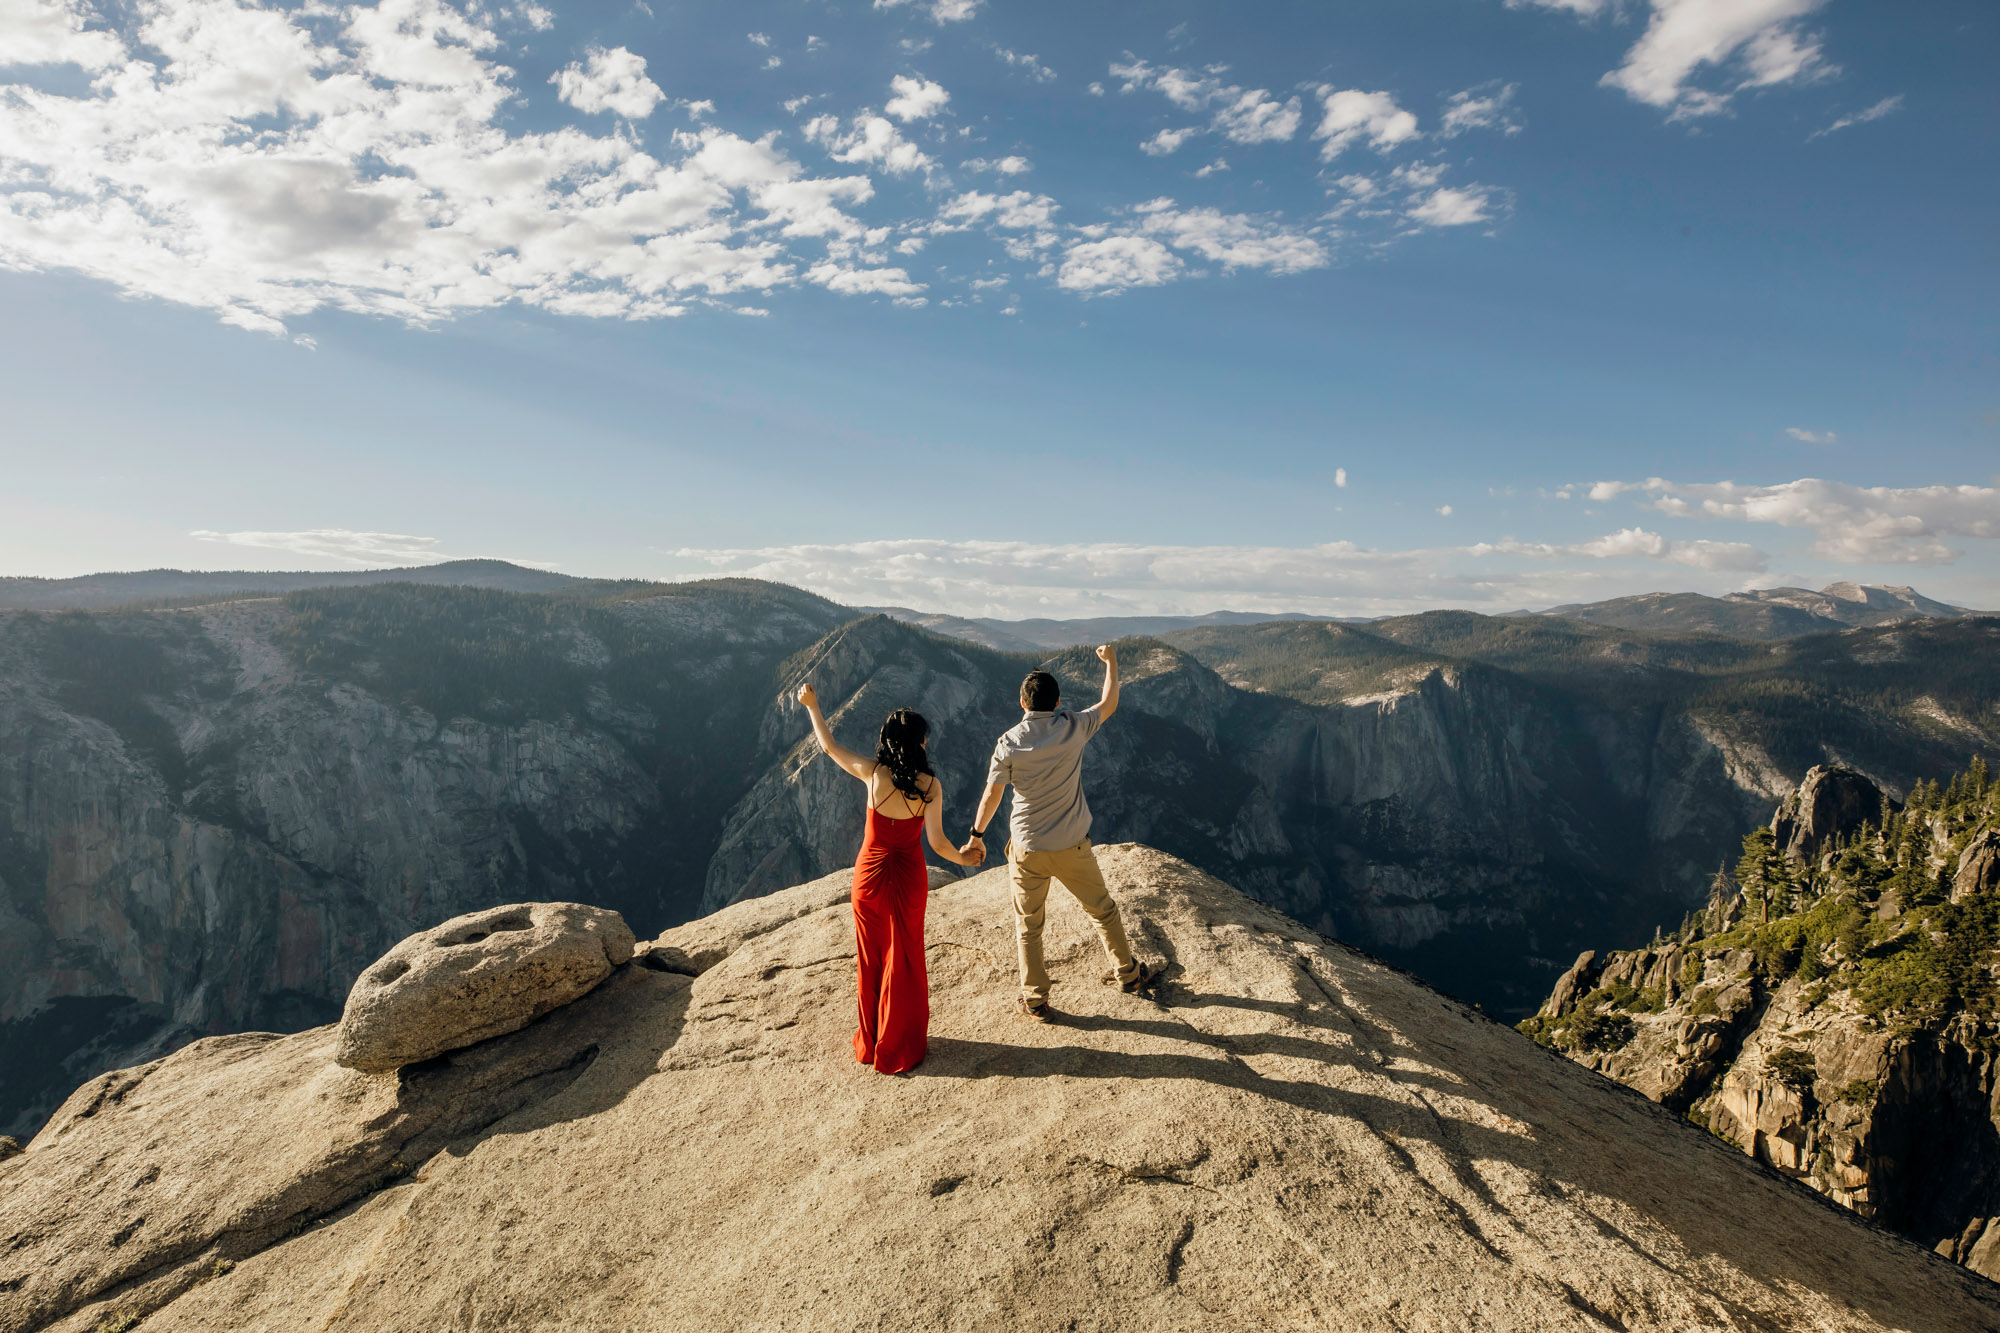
(1892, 525)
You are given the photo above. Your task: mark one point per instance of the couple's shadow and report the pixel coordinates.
(1221, 1065)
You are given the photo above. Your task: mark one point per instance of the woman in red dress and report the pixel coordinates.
(891, 885)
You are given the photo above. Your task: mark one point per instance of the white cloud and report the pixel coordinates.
(52, 32)
(1352, 117)
(760, 39)
(1117, 263)
(868, 138)
(611, 80)
(773, 62)
(1019, 211)
(1232, 240)
(1340, 477)
(1445, 510)
(366, 550)
(1013, 578)
(915, 99)
(1454, 207)
(863, 281)
(1638, 543)
(268, 163)
(1027, 64)
(697, 109)
(1241, 115)
(1167, 141)
(941, 11)
(1220, 164)
(1749, 43)
(1850, 524)
(1581, 8)
(1887, 106)
(1257, 117)
(1488, 106)
(1005, 166)
(1811, 436)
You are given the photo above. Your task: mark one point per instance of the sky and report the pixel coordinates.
(1016, 309)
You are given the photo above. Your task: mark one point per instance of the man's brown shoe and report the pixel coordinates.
(1038, 1012)
(1142, 980)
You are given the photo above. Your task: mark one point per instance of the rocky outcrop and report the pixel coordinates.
(1842, 1030)
(1296, 1136)
(1833, 800)
(475, 977)
(1978, 866)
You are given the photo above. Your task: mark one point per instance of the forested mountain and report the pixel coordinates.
(1833, 1009)
(212, 817)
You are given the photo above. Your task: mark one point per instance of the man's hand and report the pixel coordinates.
(809, 697)
(1107, 654)
(974, 850)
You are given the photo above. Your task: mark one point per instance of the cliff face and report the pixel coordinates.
(1833, 1011)
(199, 835)
(1294, 1136)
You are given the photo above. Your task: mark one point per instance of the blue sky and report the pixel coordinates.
(1011, 308)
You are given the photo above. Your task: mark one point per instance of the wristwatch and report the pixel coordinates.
(979, 834)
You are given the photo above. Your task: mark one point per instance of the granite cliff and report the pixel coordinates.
(1833, 1011)
(1296, 1137)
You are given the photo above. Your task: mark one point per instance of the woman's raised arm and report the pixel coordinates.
(861, 768)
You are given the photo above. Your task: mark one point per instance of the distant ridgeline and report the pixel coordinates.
(1834, 1011)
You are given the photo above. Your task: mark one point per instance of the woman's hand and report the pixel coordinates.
(808, 696)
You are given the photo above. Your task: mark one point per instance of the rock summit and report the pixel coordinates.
(1296, 1136)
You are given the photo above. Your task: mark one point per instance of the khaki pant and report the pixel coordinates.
(1077, 868)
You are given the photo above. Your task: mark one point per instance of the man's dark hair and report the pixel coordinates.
(1039, 692)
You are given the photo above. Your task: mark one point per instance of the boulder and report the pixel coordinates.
(477, 976)
(1832, 800)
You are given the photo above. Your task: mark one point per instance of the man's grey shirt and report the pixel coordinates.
(1043, 759)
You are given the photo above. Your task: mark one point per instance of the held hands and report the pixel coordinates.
(808, 697)
(974, 851)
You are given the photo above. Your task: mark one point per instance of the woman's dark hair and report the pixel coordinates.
(1040, 691)
(901, 751)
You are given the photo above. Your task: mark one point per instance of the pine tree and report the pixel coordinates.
(1755, 870)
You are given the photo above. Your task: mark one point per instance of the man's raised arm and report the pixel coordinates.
(1107, 704)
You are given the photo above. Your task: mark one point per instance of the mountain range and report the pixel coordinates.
(212, 816)
(1768, 613)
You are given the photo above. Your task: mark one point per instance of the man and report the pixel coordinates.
(1050, 826)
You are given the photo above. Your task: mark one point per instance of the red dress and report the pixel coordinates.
(891, 889)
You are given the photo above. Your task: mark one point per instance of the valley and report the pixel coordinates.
(212, 816)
